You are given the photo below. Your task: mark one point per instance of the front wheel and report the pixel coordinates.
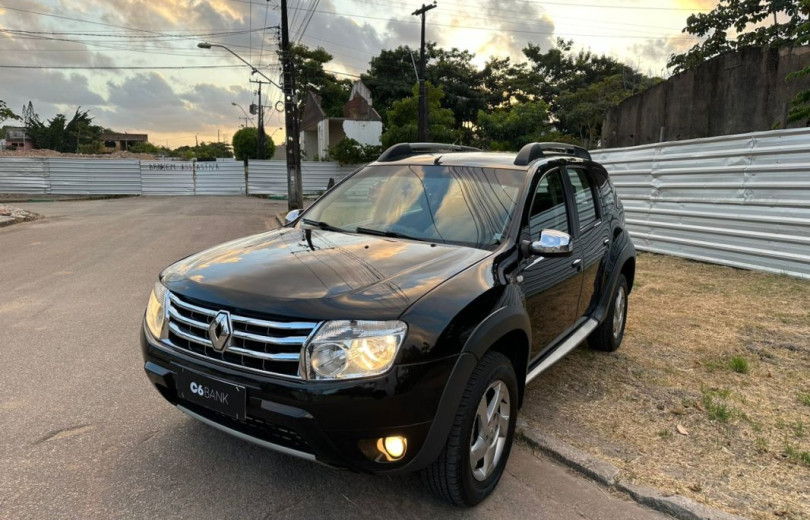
(608, 335)
(473, 459)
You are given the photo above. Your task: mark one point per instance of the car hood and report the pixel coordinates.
(315, 274)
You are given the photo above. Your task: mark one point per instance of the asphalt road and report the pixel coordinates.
(84, 435)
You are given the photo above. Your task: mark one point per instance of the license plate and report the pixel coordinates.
(211, 393)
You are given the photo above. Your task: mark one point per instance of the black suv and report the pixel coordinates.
(393, 325)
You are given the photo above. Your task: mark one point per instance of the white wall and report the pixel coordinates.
(364, 132)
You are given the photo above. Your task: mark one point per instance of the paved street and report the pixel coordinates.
(84, 435)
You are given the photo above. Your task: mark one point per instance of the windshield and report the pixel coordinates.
(455, 204)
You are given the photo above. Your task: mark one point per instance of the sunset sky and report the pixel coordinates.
(136, 66)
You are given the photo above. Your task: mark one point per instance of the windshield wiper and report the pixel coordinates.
(322, 225)
(389, 234)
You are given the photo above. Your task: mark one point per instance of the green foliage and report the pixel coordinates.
(206, 151)
(748, 21)
(403, 119)
(795, 455)
(245, 144)
(391, 76)
(349, 151)
(7, 113)
(804, 399)
(800, 105)
(310, 76)
(583, 110)
(146, 147)
(580, 86)
(62, 135)
(738, 364)
(508, 129)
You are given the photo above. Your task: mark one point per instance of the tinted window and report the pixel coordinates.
(453, 204)
(548, 207)
(583, 193)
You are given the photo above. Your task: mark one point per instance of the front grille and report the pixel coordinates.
(260, 345)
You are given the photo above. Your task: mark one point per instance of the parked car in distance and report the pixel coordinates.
(393, 325)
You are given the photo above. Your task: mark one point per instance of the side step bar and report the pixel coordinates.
(565, 347)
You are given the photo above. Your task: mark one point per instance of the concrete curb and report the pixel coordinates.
(610, 477)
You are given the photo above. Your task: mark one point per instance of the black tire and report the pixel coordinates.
(605, 337)
(451, 476)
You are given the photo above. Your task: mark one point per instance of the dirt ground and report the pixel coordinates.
(709, 395)
(52, 153)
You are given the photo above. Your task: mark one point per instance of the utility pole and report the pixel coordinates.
(423, 133)
(261, 148)
(295, 198)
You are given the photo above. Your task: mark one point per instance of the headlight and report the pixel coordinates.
(156, 311)
(352, 349)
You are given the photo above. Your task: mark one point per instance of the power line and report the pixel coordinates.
(71, 67)
(573, 4)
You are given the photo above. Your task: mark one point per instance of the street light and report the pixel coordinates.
(247, 117)
(206, 45)
(260, 145)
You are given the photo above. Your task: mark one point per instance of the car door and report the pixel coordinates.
(551, 285)
(592, 236)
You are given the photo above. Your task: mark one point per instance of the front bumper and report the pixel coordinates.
(334, 423)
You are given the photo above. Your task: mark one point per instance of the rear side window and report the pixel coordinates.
(548, 207)
(583, 196)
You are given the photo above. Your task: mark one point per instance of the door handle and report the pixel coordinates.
(606, 242)
(576, 263)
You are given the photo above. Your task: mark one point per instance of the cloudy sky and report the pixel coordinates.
(136, 66)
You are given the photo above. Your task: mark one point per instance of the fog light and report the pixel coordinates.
(393, 447)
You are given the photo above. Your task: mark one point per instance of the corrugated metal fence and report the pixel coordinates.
(270, 177)
(68, 176)
(740, 200)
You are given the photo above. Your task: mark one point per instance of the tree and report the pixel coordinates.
(510, 128)
(504, 83)
(558, 76)
(403, 119)
(800, 105)
(460, 81)
(246, 144)
(349, 151)
(391, 76)
(584, 109)
(7, 113)
(311, 77)
(747, 19)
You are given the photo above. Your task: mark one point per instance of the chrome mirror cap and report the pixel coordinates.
(552, 243)
(292, 216)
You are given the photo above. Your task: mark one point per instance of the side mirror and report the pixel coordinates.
(551, 243)
(292, 216)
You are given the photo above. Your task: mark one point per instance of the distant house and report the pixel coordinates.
(359, 122)
(16, 137)
(116, 141)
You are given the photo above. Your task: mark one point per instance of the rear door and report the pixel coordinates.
(592, 236)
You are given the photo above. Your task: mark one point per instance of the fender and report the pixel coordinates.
(501, 322)
(628, 252)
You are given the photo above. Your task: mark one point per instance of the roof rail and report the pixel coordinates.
(402, 150)
(533, 151)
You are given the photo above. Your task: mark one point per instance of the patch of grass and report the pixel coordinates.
(802, 457)
(665, 434)
(738, 364)
(716, 411)
(798, 429)
(762, 445)
(804, 399)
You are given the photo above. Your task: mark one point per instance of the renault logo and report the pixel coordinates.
(220, 331)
